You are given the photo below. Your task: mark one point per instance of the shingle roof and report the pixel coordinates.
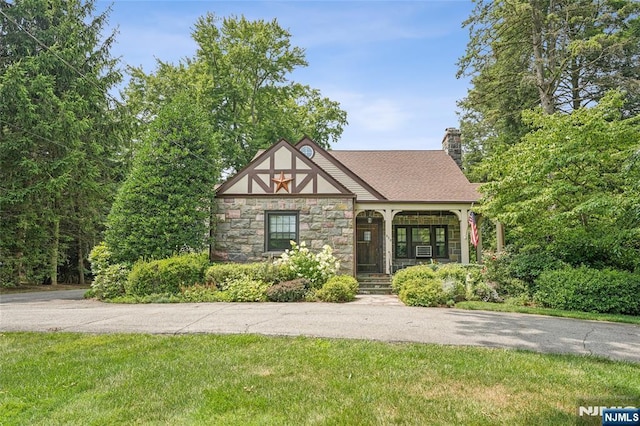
(426, 176)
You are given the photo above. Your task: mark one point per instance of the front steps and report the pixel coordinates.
(374, 284)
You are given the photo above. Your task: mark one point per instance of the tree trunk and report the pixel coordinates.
(20, 267)
(80, 263)
(542, 83)
(53, 260)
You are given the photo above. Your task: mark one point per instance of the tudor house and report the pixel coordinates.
(379, 210)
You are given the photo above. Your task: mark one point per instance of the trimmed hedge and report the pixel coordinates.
(167, 275)
(590, 290)
(220, 274)
(436, 285)
(419, 272)
(340, 288)
(423, 292)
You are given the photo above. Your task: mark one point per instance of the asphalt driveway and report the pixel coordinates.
(372, 318)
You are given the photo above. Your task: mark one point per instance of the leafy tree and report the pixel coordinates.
(560, 55)
(570, 187)
(164, 204)
(58, 131)
(240, 76)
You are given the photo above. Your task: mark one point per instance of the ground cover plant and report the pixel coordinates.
(64, 378)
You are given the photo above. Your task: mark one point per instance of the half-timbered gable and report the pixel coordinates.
(282, 170)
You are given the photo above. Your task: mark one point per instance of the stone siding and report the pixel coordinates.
(240, 227)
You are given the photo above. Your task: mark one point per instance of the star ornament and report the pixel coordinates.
(282, 182)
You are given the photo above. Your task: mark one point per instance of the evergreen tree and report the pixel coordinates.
(164, 205)
(58, 133)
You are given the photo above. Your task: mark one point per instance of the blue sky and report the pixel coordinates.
(390, 64)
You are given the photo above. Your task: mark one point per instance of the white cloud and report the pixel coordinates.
(394, 121)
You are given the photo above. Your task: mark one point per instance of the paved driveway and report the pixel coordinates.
(367, 318)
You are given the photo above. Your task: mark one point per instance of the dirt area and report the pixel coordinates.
(40, 287)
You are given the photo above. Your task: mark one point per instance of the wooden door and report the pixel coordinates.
(369, 246)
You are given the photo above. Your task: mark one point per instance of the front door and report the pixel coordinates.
(369, 246)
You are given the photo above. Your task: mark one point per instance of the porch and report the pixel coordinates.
(389, 238)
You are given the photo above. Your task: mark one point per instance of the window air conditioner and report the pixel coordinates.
(423, 251)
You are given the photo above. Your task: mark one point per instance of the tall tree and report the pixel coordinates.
(560, 55)
(164, 204)
(240, 75)
(570, 187)
(58, 128)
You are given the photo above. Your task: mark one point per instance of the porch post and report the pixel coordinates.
(464, 239)
(388, 240)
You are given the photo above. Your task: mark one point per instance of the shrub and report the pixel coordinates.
(109, 279)
(453, 271)
(110, 282)
(221, 273)
(100, 258)
(590, 290)
(483, 291)
(287, 291)
(454, 290)
(246, 290)
(528, 265)
(200, 293)
(341, 288)
(457, 279)
(515, 273)
(166, 275)
(420, 273)
(299, 262)
(422, 292)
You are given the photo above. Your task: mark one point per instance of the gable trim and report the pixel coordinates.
(308, 141)
(251, 171)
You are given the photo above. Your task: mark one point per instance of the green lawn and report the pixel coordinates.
(85, 379)
(506, 307)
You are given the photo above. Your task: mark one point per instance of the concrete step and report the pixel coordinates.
(374, 284)
(367, 290)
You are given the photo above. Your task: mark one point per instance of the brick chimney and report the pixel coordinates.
(452, 145)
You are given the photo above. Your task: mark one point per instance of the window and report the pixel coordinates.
(307, 151)
(282, 227)
(401, 242)
(441, 242)
(407, 238)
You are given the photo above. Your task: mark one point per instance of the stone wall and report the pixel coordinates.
(425, 218)
(240, 228)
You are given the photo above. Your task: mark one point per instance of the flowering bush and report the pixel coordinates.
(299, 262)
(341, 288)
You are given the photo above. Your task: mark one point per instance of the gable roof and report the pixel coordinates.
(303, 176)
(323, 158)
(411, 176)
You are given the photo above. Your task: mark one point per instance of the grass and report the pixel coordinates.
(65, 378)
(506, 307)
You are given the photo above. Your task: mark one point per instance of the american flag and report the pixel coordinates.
(474, 229)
